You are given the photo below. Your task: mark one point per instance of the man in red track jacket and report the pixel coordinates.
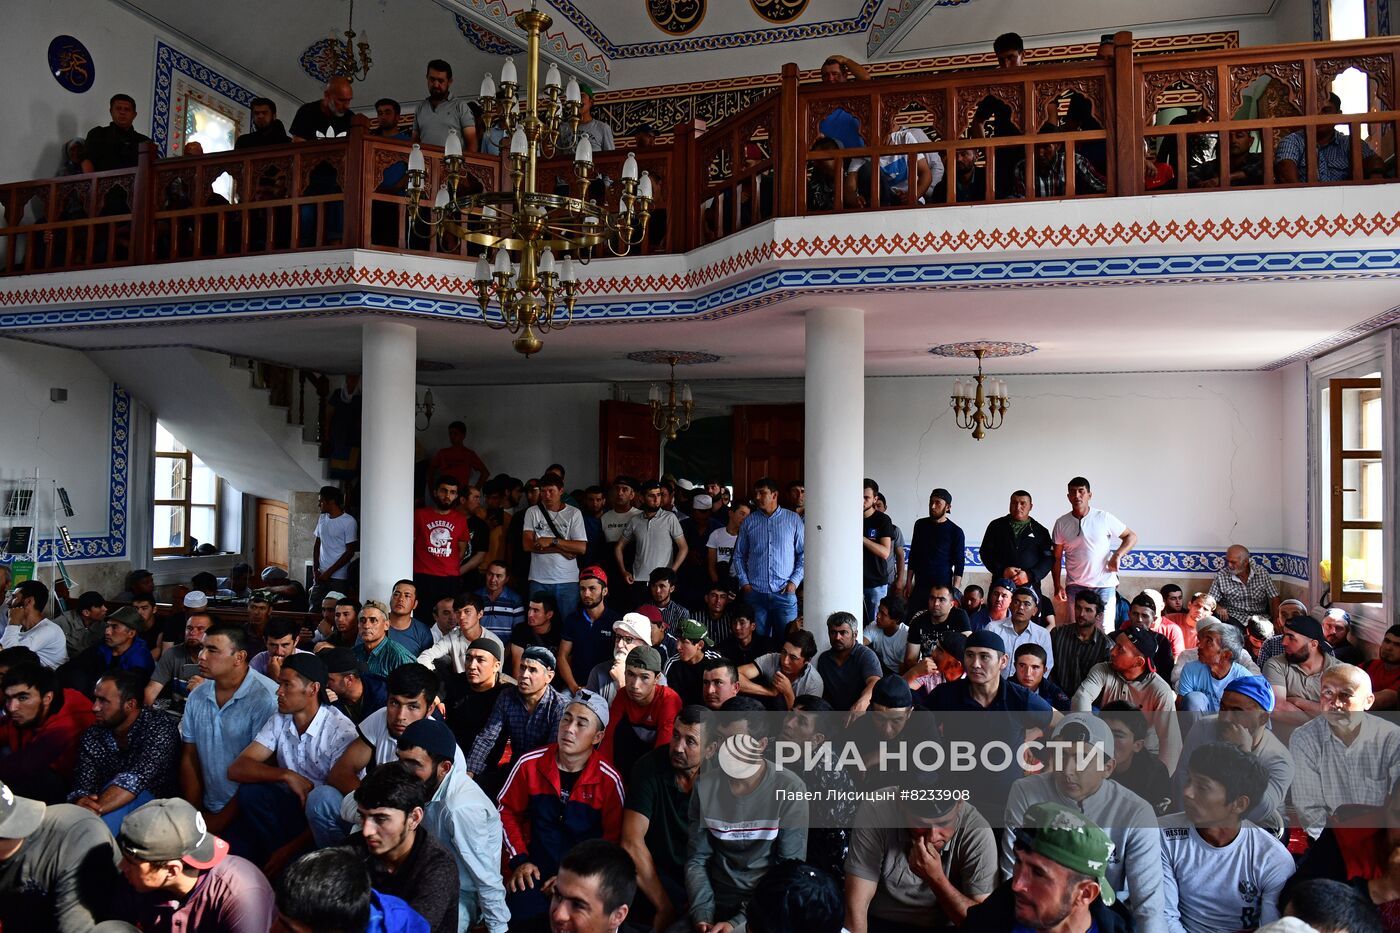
(643, 715)
(555, 798)
(39, 733)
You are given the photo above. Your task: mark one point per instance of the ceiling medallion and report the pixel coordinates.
(779, 11)
(989, 349)
(685, 357)
(676, 17)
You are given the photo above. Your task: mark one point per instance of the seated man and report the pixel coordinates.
(1336, 628)
(1384, 670)
(888, 636)
(555, 798)
(375, 648)
(726, 856)
(919, 862)
(279, 642)
(1246, 166)
(57, 866)
(1244, 721)
(1333, 153)
(1129, 675)
(84, 629)
(781, 677)
(684, 673)
(995, 609)
(1050, 170)
(170, 858)
(656, 818)
(345, 626)
(1203, 681)
(451, 649)
(744, 645)
(28, 627)
(330, 890)
(719, 682)
(357, 692)
(608, 676)
(1343, 756)
(1021, 628)
(1059, 882)
(130, 754)
(527, 716)
(291, 755)
(121, 650)
(463, 819)
(848, 669)
(1078, 778)
(1142, 773)
(927, 169)
(403, 860)
(39, 732)
(1243, 588)
(662, 587)
(1081, 645)
(642, 715)
(1296, 675)
(222, 716)
(1029, 672)
(178, 666)
(1219, 870)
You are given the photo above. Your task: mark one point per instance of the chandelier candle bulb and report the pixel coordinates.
(488, 86)
(571, 91)
(685, 394)
(655, 394)
(583, 152)
(442, 199)
(415, 159)
(502, 263)
(519, 144)
(629, 168)
(452, 149)
(508, 72)
(547, 261)
(566, 271)
(483, 271)
(551, 77)
(644, 186)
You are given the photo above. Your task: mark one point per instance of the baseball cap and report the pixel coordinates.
(691, 630)
(593, 573)
(740, 756)
(489, 645)
(130, 618)
(892, 692)
(430, 735)
(195, 600)
(170, 829)
(20, 817)
(333, 594)
(342, 661)
(1144, 641)
(1309, 627)
(1085, 727)
(645, 657)
(309, 666)
(622, 479)
(941, 493)
(595, 702)
(1066, 837)
(652, 615)
(634, 624)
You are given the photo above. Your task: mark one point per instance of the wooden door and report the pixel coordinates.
(767, 442)
(271, 547)
(627, 442)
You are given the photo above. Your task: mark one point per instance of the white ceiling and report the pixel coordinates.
(1128, 328)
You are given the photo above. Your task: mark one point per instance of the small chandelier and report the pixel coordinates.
(534, 287)
(670, 418)
(425, 408)
(980, 405)
(338, 57)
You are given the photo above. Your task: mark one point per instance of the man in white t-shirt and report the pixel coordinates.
(894, 169)
(1219, 870)
(337, 540)
(1090, 542)
(555, 537)
(29, 628)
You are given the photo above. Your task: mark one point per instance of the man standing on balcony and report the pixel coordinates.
(600, 134)
(330, 113)
(117, 144)
(267, 129)
(442, 114)
(842, 125)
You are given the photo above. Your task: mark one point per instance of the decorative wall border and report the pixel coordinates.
(113, 546)
(899, 13)
(484, 39)
(556, 44)
(1278, 563)
(170, 60)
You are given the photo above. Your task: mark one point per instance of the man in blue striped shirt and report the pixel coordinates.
(767, 560)
(503, 606)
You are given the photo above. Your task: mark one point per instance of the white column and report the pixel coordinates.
(390, 354)
(835, 464)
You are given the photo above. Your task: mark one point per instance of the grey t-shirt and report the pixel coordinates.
(63, 876)
(810, 681)
(879, 852)
(171, 660)
(845, 682)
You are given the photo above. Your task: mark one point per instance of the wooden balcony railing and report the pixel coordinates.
(1109, 127)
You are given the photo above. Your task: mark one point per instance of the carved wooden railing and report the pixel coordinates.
(760, 163)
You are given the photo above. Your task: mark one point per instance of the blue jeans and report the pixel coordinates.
(1106, 593)
(771, 611)
(565, 595)
(323, 816)
(114, 819)
(873, 595)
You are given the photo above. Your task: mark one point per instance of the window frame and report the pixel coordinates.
(1338, 453)
(186, 504)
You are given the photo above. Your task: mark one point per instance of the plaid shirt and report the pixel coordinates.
(1272, 648)
(1244, 598)
(1333, 159)
(1328, 774)
(1051, 183)
(526, 730)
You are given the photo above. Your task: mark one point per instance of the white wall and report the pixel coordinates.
(123, 51)
(1189, 461)
(521, 429)
(1293, 457)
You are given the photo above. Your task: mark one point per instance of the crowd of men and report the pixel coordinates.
(552, 739)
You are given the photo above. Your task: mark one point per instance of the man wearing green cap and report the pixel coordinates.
(684, 673)
(1059, 883)
(599, 134)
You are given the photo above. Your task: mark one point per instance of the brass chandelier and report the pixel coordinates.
(338, 57)
(671, 417)
(980, 405)
(536, 236)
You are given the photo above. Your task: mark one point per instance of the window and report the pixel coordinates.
(216, 132)
(1354, 530)
(186, 499)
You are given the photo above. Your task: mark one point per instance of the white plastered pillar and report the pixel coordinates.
(390, 354)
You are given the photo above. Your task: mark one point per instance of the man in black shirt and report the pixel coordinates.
(330, 113)
(745, 645)
(117, 144)
(471, 696)
(267, 129)
(936, 551)
(877, 538)
(1143, 774)
(1015, 546)
(940, 618)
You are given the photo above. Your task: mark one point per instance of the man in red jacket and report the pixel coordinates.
(39, 733)
(643, 714)
(555, 798)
